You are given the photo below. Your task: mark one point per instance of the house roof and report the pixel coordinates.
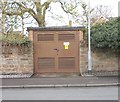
(59, 28)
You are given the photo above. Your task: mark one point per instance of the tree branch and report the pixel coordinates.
(67, 11)
(21, 11)
(38, 7)
(45, 6)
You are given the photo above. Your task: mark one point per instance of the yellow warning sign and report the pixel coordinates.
(66, 47)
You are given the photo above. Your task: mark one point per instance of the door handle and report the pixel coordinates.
(56, 49)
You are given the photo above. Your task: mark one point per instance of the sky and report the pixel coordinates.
(113, 4)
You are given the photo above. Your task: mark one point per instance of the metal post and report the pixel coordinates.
(89, 44)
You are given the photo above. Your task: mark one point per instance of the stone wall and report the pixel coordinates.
(102, 60)
(16, 62)
(0, 57)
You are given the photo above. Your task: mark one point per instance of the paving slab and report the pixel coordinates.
(60, 82)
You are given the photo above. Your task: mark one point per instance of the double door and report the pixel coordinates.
(56, 51)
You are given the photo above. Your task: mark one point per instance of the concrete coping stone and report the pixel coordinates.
(60, 85)
(16, 76)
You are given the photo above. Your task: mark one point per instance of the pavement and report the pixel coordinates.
(53, 82)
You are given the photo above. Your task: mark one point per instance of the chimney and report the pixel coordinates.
(70, 23)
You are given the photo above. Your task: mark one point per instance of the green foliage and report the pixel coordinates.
(106, 35)
(15, 38)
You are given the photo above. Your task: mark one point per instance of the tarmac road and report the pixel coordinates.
(71, 93)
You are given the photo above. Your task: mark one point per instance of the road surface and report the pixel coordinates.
(74, 93)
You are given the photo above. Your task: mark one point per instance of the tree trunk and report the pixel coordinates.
(3, 24)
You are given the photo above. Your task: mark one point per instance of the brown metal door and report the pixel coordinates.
(68, 57)
(44, 52)
(50, 54)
